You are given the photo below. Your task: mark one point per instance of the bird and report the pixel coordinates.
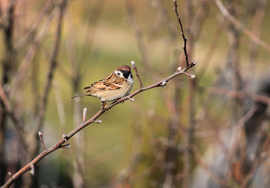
(116, 85)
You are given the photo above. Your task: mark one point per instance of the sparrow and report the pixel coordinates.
(115, 86)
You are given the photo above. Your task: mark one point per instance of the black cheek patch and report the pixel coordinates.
(126, 74)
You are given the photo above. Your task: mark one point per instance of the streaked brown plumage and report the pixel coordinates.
(117, 85)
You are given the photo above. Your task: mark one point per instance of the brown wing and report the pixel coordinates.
(111, 82)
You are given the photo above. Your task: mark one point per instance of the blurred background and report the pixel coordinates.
(212, 131)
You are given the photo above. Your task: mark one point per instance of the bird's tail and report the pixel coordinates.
(80, 95)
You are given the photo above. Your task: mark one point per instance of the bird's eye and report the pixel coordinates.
(118, 73)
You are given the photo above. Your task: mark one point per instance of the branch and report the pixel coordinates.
(60, 143)
(240, 26)
(53, 64)
(31, 53)
(137, 74)
(32, 30)
(213, 176)
(240, 94)
(17, 124)
(189, 134)
(41, 139)
(182, 32)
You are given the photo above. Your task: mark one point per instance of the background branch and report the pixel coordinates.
(238, 25)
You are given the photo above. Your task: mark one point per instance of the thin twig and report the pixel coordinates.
(239, 94)
(76, 75)
(9, 174)
(17, 124)
(182, 32)
(257, 26)
(240, 26)
(53, 63)
(136, 71)
(84, 114)
(32, 171)
(189, 135)
(31, 53)
(207, 168)
(5, 99)
(259, 160)
(41, 139)
(29, 36)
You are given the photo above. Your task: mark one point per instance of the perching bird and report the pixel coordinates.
(115, 86)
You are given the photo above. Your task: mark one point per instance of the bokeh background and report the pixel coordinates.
(211, 131)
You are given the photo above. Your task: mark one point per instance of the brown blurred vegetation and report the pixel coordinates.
(212, 131)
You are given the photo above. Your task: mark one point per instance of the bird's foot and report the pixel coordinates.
(103, 105)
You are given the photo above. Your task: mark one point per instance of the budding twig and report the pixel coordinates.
(98, 121)
(190, 75)
(182, 32)
(32, 171)
(41, 139)
(163, 84)
(66, 146)
(84, 114)
(135, 68)
(131, 99)
(65, 137)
